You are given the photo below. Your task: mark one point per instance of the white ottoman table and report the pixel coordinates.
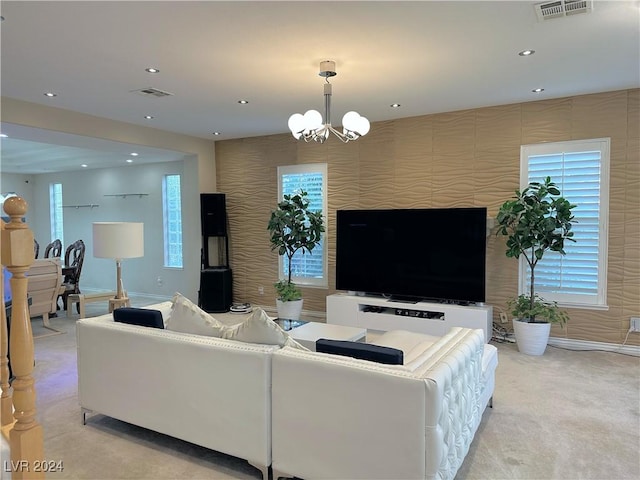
(308, 333)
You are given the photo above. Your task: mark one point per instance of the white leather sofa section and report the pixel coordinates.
(414, 345)
(336, 418)
(212, 392)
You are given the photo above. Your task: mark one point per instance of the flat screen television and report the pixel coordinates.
(435, 254)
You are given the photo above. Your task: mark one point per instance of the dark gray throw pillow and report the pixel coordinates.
(363, 351)
(143, 317)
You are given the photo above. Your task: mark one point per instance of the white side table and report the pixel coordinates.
(308, 333)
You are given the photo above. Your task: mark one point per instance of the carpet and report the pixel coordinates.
(564, 415)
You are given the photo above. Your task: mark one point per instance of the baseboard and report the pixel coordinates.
(160, 298)
(571, 344)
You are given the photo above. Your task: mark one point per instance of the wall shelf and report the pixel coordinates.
(88, 205)
(125, 195)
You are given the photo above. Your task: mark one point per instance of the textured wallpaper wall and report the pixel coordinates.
(465, 158)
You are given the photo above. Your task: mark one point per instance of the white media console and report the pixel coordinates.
(431, 318)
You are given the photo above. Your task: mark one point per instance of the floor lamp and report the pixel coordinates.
(118, 240)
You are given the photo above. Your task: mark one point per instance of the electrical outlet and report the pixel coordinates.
(159, 281)
(503, 317)
(634, 325)
(260, 290)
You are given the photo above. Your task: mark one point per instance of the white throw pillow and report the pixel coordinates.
(164, 308)
(259, 328)
(187, 317)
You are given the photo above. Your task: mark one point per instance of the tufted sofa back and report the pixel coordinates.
(365, 420)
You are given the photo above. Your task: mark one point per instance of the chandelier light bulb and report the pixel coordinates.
(311, 126)
(364, 126)
(296, 124)
(312, 120)
(354, 123)
(350, 120)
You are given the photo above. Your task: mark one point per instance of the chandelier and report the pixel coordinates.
(310, 125)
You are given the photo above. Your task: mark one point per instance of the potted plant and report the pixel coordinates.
(293, 226)
(536, 221)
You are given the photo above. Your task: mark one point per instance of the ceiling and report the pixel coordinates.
(428, 56)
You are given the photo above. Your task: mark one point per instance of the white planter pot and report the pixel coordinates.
(289, 310)
(531, 338)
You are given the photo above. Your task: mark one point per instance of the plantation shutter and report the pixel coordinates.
(308, 268)
(578, 169)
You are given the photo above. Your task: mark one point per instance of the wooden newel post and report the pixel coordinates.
(26, 438)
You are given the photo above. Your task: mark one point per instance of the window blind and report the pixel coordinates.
(579, 277)
(307, 269)
(309, 264)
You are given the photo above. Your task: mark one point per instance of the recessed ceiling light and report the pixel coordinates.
(148, 117)
(526, 53)
(129, 160)
(152, 70)
(50, 94)
(217, 133)
(133, 154)
(84, 165)
(243, 102)
(537, 90)
(395, 105)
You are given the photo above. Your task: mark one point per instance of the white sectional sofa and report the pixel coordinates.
(341, 418)
(308, 414)
(209, 391)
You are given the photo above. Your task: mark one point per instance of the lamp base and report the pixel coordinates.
(118, 302)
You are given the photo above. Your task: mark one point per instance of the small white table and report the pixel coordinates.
(308, 333)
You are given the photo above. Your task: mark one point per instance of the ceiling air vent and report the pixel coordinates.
(152, 92)
(562, 8)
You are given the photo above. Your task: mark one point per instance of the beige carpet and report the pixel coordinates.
(565, 415)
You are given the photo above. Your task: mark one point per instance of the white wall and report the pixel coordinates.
(199, 176)
(94, 187)
(20, 184)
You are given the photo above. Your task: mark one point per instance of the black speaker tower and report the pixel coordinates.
(213, 214)
(216, 282)
(215, 289)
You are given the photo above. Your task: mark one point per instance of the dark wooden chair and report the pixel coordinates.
(54, 249)
(73, 260)
(36, 248)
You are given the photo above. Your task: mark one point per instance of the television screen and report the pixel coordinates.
(429, 254)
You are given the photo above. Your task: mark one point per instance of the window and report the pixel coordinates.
(55, 212)
(581, 171)
(308, 269)
(172, 221)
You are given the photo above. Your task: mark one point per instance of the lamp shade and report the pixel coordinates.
(118, 240)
